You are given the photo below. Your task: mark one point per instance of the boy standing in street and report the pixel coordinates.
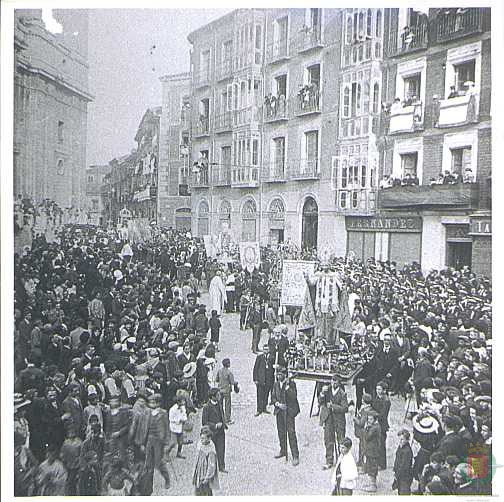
(225, 380)
(403, 471)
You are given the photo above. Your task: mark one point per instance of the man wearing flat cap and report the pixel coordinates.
(213, 417)
(333, 405)
(284, 397)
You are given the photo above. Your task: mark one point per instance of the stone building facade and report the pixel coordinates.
(96, 182)
(173, 202)
(438, 72)
(302, 117)
(50, 109)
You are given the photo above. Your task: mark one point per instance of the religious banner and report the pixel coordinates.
(250, 255)
(211, 245)
(294, 282)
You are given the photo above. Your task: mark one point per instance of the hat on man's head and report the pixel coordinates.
(213, 392)
(425, 424)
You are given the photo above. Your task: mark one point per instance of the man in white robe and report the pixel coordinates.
(217, 292)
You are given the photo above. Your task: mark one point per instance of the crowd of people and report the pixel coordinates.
(115, 356)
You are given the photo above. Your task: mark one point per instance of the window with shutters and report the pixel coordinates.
(412, 86)
(346, 102)
(465, 72)
(461, 159)
(409, 164)
(278, 166)
(376, 97)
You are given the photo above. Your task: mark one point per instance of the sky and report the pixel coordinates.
(124, 72)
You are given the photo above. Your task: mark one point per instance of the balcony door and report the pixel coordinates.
(309, 228)
(310, 163)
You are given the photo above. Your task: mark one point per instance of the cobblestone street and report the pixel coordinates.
(251, 442)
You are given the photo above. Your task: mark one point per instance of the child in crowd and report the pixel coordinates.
(215, 326)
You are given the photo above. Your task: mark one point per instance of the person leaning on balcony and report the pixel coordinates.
(396, 106)
(468, 175)
(453, 92)
(386, 182)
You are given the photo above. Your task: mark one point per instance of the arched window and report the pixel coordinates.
(225, 215)
(369, 22)
(249, 221)
(349, 30)
(203, 209)
(277, 208)
(376, 97)
(378, 23)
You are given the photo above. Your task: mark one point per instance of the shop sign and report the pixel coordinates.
(384, 224)
(457, 231)
(481, 227)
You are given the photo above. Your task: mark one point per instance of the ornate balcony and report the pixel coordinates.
(304, 169)
(406, 118)
(458, 22)
(457, 111)
(245, 176)
(309, 38)
(356, 202)
(355, 127)
(415, 39)
(201, 78)
(221, 176)
(225, 70)
(307, 102)
(200, 179)
(224, 122)
(276, 109)
(457, 196)
(277, 51)
(275, 172)
(202, 128)
(246, 115)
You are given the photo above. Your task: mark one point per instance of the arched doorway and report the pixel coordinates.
(183, 218)
(276, 221)
(249, 221)
(203, 219)
(309, 227)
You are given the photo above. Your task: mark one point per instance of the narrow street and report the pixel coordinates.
(252, 442)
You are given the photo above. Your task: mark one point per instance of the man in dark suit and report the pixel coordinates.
(213, 417)
(72, 407)
(284, 397)
(278, 346)
(387, 361)
(333, 404)
(452, 443)
(264, 376)
(381, 404)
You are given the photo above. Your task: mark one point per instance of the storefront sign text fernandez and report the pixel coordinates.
(384, 224)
